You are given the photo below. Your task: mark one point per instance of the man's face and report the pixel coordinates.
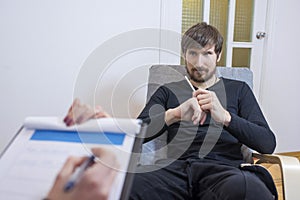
(201, 63)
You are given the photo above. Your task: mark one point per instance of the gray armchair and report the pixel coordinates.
(162, 74)
(156, 149)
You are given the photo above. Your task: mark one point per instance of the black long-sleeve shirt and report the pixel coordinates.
(210, 140)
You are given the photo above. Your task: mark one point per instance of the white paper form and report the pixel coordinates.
(29, 166)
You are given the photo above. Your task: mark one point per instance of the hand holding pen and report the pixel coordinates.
(75, 177)
(203, 114)
(89, 179)
(189, 110)
(209, 102)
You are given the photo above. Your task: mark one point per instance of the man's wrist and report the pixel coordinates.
(227, 118)
(170, 116)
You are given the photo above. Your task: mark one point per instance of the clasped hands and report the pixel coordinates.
(196, 108)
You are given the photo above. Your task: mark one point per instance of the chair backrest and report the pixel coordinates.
(162, 74)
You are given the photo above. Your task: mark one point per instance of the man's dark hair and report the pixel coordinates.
(200, 35)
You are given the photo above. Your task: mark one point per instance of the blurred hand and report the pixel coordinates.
(79, 113)
(95, 183)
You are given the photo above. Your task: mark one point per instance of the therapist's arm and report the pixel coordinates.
(80, 112)
(95, 183)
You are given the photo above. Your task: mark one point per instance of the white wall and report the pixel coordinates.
(280, 95)
(43, 45)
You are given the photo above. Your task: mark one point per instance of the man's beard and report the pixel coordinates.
(202, 77)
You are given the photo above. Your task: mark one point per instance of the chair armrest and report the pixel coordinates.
(290, 168)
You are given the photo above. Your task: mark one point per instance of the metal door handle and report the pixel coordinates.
(260, 35)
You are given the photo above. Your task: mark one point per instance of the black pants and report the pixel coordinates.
(195, 179)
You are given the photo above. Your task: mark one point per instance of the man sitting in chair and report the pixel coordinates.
(205, 131)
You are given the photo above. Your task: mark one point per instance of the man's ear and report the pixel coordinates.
(219, 57)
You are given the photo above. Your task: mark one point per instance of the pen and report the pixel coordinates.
(189, 82)
(78, 173)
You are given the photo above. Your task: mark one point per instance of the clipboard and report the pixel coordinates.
(31, 161)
